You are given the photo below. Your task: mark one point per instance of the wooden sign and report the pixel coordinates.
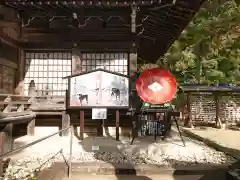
(99, 113)
(98, 89)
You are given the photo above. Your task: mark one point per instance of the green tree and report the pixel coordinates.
(208, 50)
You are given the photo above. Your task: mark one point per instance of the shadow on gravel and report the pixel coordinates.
(230, 151)
(119, 172)
(216, 173)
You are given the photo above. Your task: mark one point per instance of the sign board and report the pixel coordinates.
(98, 88)
(99, 113)
(95, 148)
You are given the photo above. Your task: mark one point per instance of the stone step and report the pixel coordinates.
(128, 169)
(59, 170)
(56, 172)
(127, 177)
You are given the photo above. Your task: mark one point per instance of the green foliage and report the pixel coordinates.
(208, 50)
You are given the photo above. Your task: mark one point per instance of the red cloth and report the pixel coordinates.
(161, 76)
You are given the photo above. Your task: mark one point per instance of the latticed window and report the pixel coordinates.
(47, 71)
(7, 79)
(115, 62)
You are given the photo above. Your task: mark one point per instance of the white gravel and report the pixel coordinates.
(168, 153)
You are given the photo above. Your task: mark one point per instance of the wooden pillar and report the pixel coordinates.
(134, 99)
(76, 61)
(133, 64)
(31, 128)
(65, 124)
(117, 124)
(81, 125)
(132, 71)
(100, 128)
(20, 73)
(218, 122)
(32, 94)
(8, 108)
(2, 137)
(188, 120)
(8, 139)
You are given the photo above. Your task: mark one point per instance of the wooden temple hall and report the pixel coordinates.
(42, 41)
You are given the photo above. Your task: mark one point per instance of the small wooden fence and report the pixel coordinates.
(212, 105)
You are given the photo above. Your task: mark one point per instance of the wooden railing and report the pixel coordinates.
(16, 119)
(18, 113)
(17, 103)
(68, 162)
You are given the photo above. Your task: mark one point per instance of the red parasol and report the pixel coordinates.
(156, 86)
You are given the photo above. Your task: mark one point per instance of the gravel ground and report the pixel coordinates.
(168, 153)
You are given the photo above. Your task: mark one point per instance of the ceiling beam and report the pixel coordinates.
(59, 38)
(74, 30)
(87, 12)
(7, 24)
(8, 40)
(83, 45)
(78, 3)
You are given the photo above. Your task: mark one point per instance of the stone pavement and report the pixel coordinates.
(224, 140)
(190, 173)
(132, 177)
(218, 174)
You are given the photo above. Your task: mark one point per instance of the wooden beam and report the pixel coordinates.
(66, 37)
(74, 30)
(123, 14)
(8, 40)
(83, 45)
(7, 24)
(8, 63)
(78, 3)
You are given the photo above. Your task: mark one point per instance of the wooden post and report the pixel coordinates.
(2, 135)
(100, 128)
(8, 140)
(20, 108)
(8, 108)
(31, 128)
(188, 121)
(32, 94)
(117, 124)
(217, 122)
(81, 125)
(65, 123)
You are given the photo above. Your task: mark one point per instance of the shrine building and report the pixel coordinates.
(43, 41)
